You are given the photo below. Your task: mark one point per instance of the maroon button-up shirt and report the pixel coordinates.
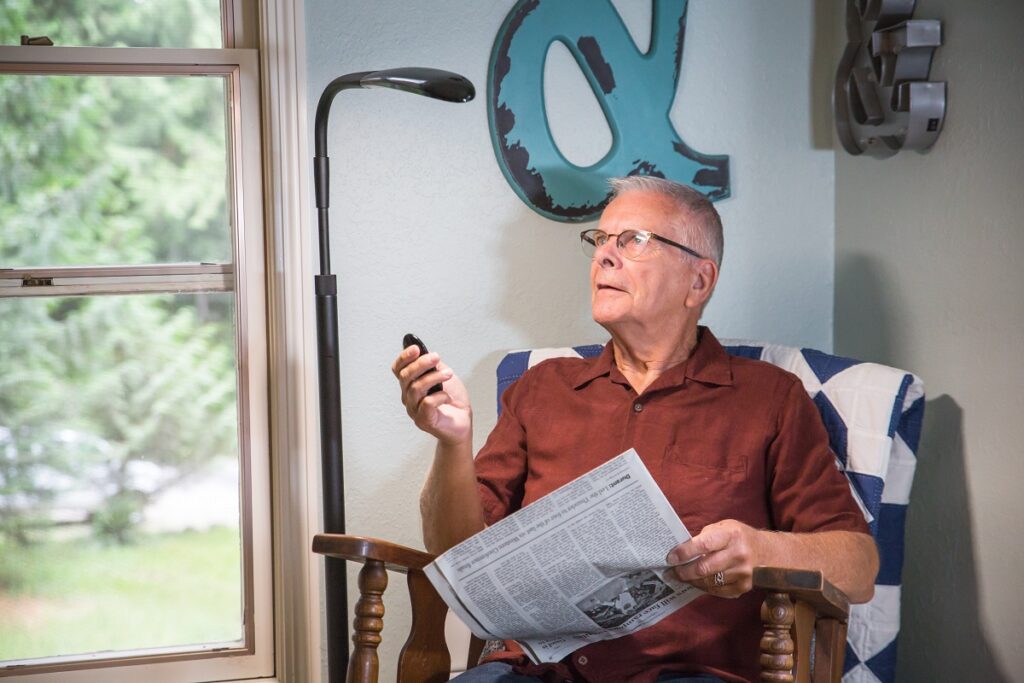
(725, 438)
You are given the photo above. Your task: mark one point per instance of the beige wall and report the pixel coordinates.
(929, 277)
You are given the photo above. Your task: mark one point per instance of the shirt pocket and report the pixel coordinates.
(701, 489)
(697, 461)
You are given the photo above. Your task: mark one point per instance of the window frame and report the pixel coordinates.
(247, 278)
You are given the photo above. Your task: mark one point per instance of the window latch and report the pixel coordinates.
(29, 281)
(36, 40)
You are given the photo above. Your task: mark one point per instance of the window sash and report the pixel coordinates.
(246, 276)
(146, 60)
(237, 23)
(70, 281)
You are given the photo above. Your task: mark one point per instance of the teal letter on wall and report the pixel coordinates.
(635, 91)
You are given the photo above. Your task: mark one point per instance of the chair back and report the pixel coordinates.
(873, 416)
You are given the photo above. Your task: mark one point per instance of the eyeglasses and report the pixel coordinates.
(631, 243)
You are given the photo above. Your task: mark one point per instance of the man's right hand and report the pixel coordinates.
(450, 504)
(446, 414)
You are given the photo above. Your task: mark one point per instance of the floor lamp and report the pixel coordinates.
(441, 85)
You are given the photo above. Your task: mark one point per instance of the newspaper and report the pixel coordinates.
(582, 564)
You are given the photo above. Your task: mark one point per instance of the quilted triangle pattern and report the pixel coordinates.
(836, 426)
(744, 351)
(909, 427)
(869, 489)
(788, 358)
(589, 350)
(883, 665)
(897, 408)
(889, 536)
(860, 674)
(874, 626)
(541, 355)
(826, 366)
(850, 661)
(900, 477)
(511, 368)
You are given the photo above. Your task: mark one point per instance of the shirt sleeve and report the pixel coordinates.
(807, 490)
(501, 465)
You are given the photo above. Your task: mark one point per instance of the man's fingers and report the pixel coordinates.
(408, 354)
(416, 391)
(412, 370)
(706, 553)
(426, 411)
(421, 385)
(718, 560)
(704, 566)
(707, 541)
(717, 580)
(723, 584)
(684, 552)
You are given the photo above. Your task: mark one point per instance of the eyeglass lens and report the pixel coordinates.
(630, 242)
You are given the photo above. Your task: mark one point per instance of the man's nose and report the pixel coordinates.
(607, 255)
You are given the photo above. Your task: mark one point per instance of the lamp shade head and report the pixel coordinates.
(436, 83)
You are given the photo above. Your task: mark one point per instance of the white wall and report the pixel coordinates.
(928, 277)
(428, 237)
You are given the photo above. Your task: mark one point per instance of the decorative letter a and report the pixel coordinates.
(635, 91)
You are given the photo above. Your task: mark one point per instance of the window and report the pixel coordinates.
(134, 449)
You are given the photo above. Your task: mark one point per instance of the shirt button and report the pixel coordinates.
(582, 660)
(637, 407)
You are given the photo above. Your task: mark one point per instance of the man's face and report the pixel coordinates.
(648, 293)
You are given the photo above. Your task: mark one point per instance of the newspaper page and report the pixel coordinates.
(582, 564)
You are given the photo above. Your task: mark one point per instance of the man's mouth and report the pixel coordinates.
(604, 287)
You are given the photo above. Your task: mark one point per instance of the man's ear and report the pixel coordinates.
(705, 277)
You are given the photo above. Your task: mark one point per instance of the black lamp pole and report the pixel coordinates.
(442, 85)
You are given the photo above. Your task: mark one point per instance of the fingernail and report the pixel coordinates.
(673, 558)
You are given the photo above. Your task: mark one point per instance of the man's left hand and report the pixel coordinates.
(726, 553)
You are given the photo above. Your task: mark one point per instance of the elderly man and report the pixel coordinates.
(736, 444)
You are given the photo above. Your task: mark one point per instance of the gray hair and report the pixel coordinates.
(698, 217)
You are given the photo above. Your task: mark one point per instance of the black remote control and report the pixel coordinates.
(412, 340)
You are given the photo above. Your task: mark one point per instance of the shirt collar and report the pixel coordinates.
(708, 364)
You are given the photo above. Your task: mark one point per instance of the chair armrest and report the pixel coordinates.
(397, 558)
(800, 603)
(424, 658)
(806, 585)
